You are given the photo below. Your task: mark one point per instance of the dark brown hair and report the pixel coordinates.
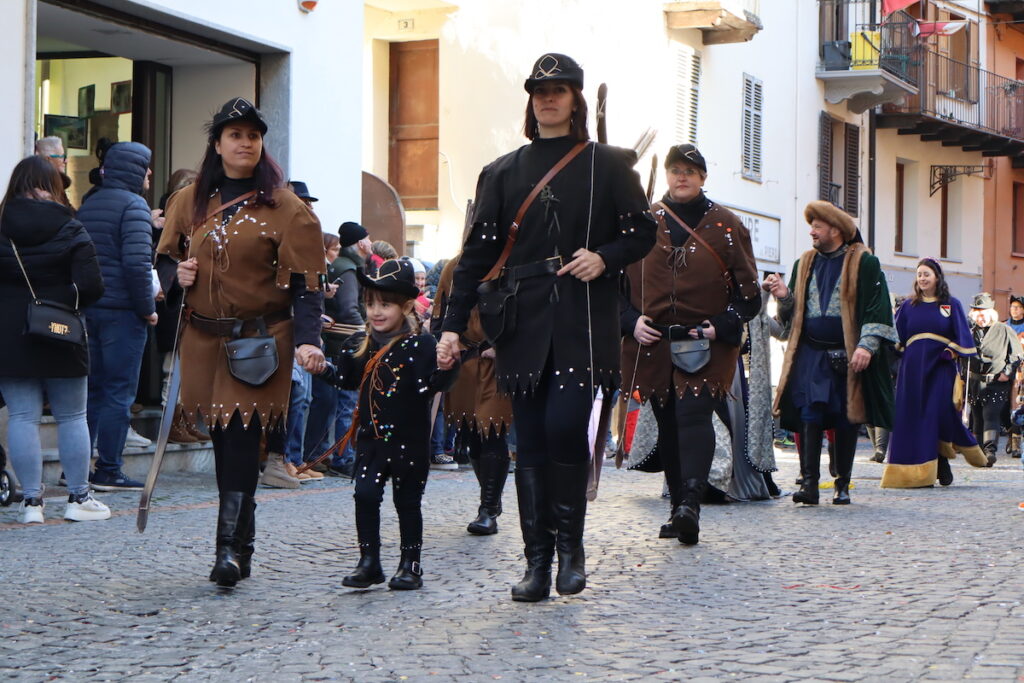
(577, 122)
(941, 288)
(267, 174)
(35, 173)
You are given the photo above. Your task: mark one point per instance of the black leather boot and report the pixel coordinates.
(990, 444)
(567, 486)
(368, 571)
(845, 450)
(226, 569)
(686, 517)
(945, 472)
(409, 575)
(246, 533)
(810, 464)
(538, 536)
(492, 472)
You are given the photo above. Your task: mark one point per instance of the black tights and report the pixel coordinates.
(236, 453)
(686, 439)
(408, 479)
(551, 424)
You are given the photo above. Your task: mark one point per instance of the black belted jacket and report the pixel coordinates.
(597, 203)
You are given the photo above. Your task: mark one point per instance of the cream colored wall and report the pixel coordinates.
(487, 49)
(966, 213)
(16, 114)
(198, 93)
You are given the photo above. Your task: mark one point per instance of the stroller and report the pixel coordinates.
(8, 491)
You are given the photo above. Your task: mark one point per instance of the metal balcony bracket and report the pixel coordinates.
(944, 175)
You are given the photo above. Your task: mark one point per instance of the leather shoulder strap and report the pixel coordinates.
(240, 198)
(701, 240)
(513, 229)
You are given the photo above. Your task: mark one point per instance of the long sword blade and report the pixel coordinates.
(166, 420)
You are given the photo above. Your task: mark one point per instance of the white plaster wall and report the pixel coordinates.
(199, 92)
(922, 215)
(16, 113)
(488, 48)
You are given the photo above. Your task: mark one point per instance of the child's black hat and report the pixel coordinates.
(393, 276)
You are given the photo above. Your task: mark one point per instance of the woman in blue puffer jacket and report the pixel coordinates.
(119, 222)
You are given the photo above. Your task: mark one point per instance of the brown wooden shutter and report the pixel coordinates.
(851, 167)
(824, 156)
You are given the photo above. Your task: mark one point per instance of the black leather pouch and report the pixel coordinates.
(497, 306)
(252, 360)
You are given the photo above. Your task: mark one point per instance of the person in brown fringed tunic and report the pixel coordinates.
(480, 413)
(262, 258)
(679, 291)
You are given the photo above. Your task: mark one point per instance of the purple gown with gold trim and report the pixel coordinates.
(927, 424)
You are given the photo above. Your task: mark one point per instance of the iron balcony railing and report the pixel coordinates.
(967, 96)
(854, 36)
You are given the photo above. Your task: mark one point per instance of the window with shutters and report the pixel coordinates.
(851, 169)
(839, 163)
(901, 185)
(753, 119)
(687, 95)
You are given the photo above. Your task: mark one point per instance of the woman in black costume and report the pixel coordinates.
(586, 224)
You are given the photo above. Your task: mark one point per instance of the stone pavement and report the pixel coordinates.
(899, 586)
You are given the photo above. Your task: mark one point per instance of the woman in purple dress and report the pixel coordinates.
(928, 430)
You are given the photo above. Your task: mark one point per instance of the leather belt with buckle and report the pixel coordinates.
(232, 327)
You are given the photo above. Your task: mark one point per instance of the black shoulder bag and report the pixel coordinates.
(52, 320)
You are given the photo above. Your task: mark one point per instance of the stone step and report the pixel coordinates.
(188, 457)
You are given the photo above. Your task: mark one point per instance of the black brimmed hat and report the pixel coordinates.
(554, 67)
(301, 191)
(237, 109)
(394, 275)
(686, 153)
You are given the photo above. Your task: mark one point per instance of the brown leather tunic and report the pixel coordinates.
(474, 399)
(685, 286)
(244, 271)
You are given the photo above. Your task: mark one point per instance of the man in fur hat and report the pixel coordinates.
(837, 311)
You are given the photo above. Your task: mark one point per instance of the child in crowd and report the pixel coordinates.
(395, 369)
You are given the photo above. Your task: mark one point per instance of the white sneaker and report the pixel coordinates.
(136, 440)
(32, 511)
(85, 508)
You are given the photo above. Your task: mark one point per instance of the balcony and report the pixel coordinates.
(962, 106)
(1014, 8)
(865, 60)
(721, 21)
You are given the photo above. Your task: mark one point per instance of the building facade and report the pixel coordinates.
(155, 72)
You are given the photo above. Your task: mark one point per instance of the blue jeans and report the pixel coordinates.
(347, 401)
(117, 340)
(323, 410)
(67, 396)
(295, 426)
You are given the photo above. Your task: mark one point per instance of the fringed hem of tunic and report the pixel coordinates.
(909, 476)
(494, 427)
(517, 385)
(219, 416)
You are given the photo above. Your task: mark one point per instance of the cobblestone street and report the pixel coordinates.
(902, 585)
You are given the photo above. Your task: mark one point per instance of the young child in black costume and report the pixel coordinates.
(394, 367)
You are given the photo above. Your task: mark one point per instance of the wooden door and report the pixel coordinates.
(413, 123)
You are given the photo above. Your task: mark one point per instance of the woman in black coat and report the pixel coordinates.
(586, 224)
(59, 261)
